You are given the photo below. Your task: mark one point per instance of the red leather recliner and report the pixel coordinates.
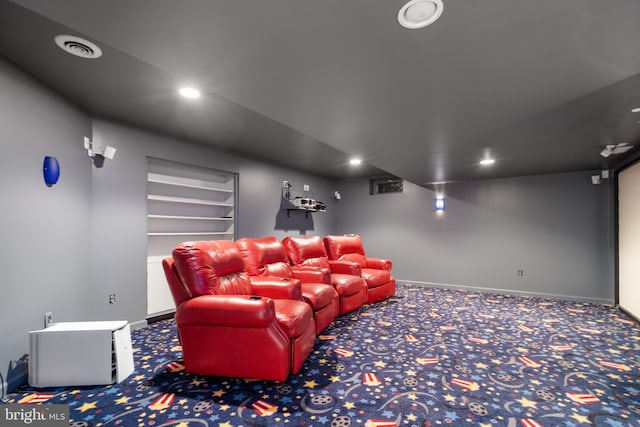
(375, 271)
(231, 327)
(309, 251)
(266, 256)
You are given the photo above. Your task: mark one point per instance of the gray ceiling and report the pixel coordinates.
(541, 86)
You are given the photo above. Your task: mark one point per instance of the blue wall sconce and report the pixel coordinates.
(50, 170)
(440, 204)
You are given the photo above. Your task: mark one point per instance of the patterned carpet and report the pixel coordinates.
(426, 357)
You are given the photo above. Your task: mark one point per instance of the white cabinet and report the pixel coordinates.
(80, 353)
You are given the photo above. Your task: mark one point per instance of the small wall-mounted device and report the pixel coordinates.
(94, 149)
(336, 195)
(599, 179)
(440, 204)
(50, 170)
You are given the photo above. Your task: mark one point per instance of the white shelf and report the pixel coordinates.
(190, 218)
(179, 184)
(187, 201)
(184, 202)
(192, 233)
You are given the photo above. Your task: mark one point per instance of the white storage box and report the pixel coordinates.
(80, 353)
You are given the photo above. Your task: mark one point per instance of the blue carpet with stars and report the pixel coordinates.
(425, 357)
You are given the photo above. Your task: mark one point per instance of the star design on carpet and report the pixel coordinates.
(526, 403)
(440, 356)
(122, 400)
(86, 406)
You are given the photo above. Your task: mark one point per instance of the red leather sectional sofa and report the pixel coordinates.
(252, 308)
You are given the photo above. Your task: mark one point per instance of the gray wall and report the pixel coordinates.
(556, 228)
(45, 251)
(118, 238)
(66, 248)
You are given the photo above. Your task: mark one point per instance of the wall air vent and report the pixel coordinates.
(385, 185)
(78, 46)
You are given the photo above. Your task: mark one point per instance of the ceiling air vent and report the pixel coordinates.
(78, 46)
(419, 13)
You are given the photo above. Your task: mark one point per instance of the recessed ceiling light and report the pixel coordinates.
(636, 110)
(189, 92)
(355, 161)
(419, 13)
(78, 46)
(487, 162)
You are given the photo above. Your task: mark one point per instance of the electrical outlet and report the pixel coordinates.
(48, 319)
(285, 184)
(306, 187)
(112, 298)
(520, 273)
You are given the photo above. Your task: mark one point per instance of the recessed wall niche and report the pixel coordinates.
(184, 203)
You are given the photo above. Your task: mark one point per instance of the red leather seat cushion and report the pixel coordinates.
(321, 262)
(346, 284)
(293, 316)
(318, 295)
(264, 256)
(211, 268)
(278, 269)
(375, 278)
(306, 250)
(338, 246)
(360, 259)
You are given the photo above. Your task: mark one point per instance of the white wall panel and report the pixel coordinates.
(629, 239)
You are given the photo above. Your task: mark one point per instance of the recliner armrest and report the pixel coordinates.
(312, 274)
(345, 267)
(277, 287)
(379, 263)
(227, 310)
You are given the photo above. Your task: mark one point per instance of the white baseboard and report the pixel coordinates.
(601, 301)
(139, 324)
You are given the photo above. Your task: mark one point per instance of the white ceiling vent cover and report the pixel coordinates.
(420, 13)
(78, 46)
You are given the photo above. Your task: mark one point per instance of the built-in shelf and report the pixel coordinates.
(187, 201)
(193, 233)
(179, 184)
(184, 202)
(190, 218)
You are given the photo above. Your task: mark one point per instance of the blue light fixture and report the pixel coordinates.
(440, 204)
(50, 170)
